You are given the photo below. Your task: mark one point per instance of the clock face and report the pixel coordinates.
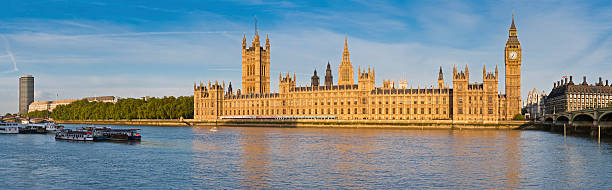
(513, 55)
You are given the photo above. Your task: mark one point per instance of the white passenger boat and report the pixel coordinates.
(67, 134)
(9, 128)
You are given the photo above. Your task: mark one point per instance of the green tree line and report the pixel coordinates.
(40, 114)
(129, 108)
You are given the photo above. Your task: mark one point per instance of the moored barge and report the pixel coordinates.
(109, 134)
(67, 134)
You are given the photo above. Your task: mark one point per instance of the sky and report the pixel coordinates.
(136, 48)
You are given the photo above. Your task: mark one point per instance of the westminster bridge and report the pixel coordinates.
(595, 121)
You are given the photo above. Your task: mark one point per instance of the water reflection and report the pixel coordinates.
(386, 158)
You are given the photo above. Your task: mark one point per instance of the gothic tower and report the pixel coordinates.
(329, 79)
(440, 79)
(513, 72)
(314, 80)
(256, 66)
(345, 73)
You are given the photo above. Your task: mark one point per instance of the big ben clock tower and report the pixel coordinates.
(513, 73)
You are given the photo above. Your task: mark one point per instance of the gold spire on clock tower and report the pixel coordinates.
(513, 72)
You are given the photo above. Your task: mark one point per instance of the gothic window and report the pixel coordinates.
(460, 110)
(345, 75)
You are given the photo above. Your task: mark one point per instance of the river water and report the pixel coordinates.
(290, 158)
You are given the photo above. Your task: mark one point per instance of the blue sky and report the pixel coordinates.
(77, 49)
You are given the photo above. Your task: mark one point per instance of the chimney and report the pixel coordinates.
(571, 80)
(600, 82)
(554, 85)
(606, 82)
(565, 82)
(584, 82)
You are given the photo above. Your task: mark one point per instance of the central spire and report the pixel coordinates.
(345, 53)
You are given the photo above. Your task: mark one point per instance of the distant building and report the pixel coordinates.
(567, 96)
(534, 104)
(49, 105)
(26, 92)
(111, 99)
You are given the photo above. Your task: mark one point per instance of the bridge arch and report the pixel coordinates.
(562, 119)
(607, 116)
(548, 120)
(583, 119)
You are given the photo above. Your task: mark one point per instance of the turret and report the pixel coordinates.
(329, 79)
(244, 41)
(314, 80)
(267, 42)
(230, 91)
(286, 84)
(440, 79)
(365, 79)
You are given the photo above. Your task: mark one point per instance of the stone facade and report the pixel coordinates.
(534, 105)
(256, 66)
(49, 105)
(567, 96)
(465, 101)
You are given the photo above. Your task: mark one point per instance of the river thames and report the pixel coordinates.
(289, 158)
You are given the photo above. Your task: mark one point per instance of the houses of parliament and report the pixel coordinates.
(346, 100)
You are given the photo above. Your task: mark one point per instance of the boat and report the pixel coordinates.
(9, 128)
(214, 129)
(68, 134)
(50, 127)
(107, 133)
(32, 129)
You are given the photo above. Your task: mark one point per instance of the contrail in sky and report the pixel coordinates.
(10, 54)
(152, 33)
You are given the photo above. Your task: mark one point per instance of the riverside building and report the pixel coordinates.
(347, 100)
(566, 96)
(26, 93)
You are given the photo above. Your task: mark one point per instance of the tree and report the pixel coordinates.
(129, 108)
(518, 117)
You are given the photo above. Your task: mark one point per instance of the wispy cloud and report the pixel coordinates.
(134, 53)
(9, 54)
